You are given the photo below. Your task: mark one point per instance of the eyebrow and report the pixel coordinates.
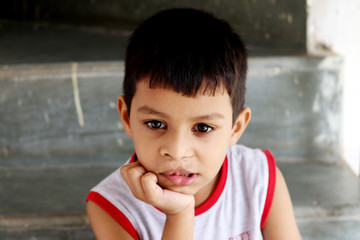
(148, 110)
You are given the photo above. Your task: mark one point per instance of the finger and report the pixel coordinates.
(132, 174)
(132, 170)
(152, 191)
(149, 181)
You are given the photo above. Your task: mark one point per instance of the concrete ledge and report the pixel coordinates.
(53, 71)
(61, 233)
(43, 222)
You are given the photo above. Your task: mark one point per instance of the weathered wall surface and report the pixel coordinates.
(332, 26)
(295, 102)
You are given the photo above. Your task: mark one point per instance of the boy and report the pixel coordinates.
(183, 107)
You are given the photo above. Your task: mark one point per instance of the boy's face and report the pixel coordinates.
(183, 140)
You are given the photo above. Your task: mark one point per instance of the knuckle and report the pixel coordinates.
(148, 178)
(132, 171)
(123, 170)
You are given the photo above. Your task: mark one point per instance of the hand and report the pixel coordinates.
(143, 185)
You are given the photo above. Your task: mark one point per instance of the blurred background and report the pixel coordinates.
(61, 71)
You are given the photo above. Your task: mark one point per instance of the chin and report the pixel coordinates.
(180, 189)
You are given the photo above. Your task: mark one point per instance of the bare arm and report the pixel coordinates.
(179, 226)
(103, 225)
(281, 222)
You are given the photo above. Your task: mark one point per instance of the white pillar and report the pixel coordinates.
(334, 26)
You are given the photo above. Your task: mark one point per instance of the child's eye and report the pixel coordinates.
(203, 128)
(154, 124)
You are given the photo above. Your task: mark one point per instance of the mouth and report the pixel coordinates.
(180, 177)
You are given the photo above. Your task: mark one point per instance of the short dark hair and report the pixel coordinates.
(185, 49)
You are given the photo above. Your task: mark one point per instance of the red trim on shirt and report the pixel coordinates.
(113, 212)
(217, 192)
(271, 186)
(133, 158)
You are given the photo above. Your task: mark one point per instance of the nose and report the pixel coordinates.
(176, 145)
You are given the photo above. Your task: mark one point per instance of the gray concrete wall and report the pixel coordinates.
(269, 24)
(296, 103)
(296, 100)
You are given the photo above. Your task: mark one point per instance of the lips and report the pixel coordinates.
(180, 176)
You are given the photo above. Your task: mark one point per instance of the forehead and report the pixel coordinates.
(167, 100)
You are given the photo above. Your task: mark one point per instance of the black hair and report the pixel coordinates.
(185, 50)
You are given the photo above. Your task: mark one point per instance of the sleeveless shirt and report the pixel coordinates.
(236, 210)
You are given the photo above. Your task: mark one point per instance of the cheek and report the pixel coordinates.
(213, 156)
(145, 151)
(220, 142)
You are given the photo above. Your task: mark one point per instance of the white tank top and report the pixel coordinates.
(236, 210)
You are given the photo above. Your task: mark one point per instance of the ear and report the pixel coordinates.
(124, 115)
(240, 125)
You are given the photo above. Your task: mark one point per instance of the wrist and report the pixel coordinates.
(179, 226)
(188, 209)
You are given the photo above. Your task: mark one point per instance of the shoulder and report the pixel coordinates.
(256, 171)
(109, 208)
(108, 205)
(261, 174)
(252, 162)
(243, 153)
(113, 188)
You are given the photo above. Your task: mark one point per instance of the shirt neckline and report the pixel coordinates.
(217, 192)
